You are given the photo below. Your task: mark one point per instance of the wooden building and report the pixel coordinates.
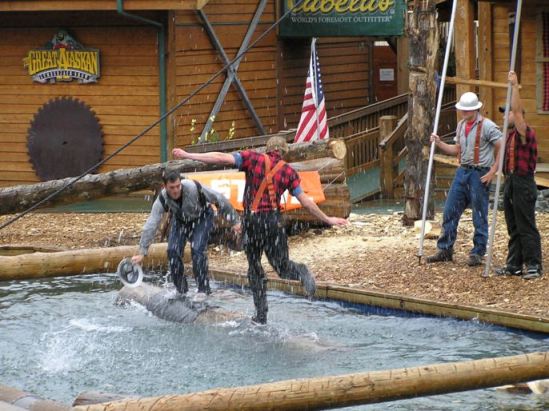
(495, 28)
(153, 54)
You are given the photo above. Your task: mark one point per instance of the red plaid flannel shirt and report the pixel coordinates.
(526, 152)
(253, 164)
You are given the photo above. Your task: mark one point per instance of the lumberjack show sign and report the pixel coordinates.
(316, 18)
(63, 59)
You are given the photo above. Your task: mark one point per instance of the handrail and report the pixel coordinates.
(369, 109)
(397, 133)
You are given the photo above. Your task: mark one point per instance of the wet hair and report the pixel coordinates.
(277, 143)
(170, 176)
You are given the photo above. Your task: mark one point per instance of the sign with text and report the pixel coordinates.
(231, 184)
(63, 59)
(317, 18)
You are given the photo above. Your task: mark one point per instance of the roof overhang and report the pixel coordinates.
(98, 5)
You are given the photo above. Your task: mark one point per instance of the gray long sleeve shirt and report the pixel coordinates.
(190, 207)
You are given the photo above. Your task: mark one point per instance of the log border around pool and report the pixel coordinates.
(399, 302)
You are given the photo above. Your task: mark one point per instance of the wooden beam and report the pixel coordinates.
(485, 56)
(481, 83)
(82, 5)
(464, 43)
(350, 389)
(403, 59)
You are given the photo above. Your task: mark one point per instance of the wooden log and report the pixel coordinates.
(155, 300)
(76, 262)
(19, 198)
(350, 389)
(21, 400)
(96, 397)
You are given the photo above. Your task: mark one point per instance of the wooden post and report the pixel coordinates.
(485, 55)
(465, 45)
(403, 58)
(423, 35)
(386, 125)
(351, 389)
(171, 81)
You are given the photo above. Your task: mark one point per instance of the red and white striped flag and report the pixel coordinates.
(313, 124)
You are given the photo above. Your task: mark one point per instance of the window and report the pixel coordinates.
(542, 62)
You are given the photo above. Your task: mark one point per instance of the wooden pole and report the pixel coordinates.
(76, 262)
(351, 389)
(386, 125)
(481, 83)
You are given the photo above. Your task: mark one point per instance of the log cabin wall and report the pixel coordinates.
(125, 98)
(273, 72)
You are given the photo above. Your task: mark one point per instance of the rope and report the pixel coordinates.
(154, 124)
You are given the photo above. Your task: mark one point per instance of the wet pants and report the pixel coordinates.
(467, 189)
(264, 232)
(519, 202)
(197, 232)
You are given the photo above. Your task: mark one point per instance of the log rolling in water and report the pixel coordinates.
(351, 389)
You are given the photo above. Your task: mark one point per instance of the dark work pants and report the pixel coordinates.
(264, 232)
(198, 233)
(519, 202)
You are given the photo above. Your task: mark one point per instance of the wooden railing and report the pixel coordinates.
(362, 151)
(367, 118)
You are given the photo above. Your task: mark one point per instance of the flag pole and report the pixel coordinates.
(504, 140)
(313, 74)
(435, 127)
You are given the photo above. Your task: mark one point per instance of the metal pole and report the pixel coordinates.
(435, 127)
(504, 140)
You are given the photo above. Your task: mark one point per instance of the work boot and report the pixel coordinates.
(532, 272)
(474, 260)
(440, 256)
(308, 282)
(259, 319)
(508, 270)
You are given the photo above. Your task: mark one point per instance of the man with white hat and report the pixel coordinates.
(477, 145)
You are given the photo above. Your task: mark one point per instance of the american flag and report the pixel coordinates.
(313, 124)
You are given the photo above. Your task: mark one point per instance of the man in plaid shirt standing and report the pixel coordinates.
(520, 192)
(267, 178)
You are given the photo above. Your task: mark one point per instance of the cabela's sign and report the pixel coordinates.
(315, 18)
(63, 59)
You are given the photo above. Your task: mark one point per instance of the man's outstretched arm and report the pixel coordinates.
(311, 206)
(208, 158)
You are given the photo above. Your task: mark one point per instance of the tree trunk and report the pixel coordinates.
(19, 198)
(423, 37)
(352, 389)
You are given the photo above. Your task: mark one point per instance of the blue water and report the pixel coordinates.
(62, 336)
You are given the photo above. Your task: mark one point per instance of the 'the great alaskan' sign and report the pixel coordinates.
(63, 59)
(316, 18)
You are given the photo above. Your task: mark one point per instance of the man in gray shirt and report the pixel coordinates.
(192, 220)
(478, 141)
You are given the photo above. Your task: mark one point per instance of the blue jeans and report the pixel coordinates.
(467, 189)
(198, 232)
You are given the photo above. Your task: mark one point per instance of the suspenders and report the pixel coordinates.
(476, 155)
(267, 183)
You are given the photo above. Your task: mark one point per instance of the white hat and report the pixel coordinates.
(468, 102)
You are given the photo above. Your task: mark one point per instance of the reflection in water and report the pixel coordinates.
(65, 335)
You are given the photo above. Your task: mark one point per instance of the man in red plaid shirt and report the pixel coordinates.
(267, 178)
(520, 192)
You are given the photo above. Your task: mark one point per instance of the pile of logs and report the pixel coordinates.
(326, 157)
